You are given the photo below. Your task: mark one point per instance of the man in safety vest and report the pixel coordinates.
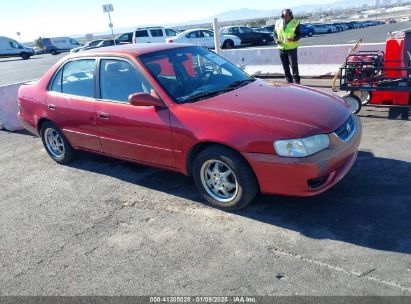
(287, 35)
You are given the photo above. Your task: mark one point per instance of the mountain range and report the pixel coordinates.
(246, 14)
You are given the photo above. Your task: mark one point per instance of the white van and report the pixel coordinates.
(59, 45)
(405, 19)
(155, 34)
(11, 48)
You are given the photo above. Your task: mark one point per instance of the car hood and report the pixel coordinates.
(290, 111)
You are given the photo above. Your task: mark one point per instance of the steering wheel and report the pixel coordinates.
(183, 79)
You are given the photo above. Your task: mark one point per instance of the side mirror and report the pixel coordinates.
(146, 100)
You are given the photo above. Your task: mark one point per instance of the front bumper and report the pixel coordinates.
(310, 175)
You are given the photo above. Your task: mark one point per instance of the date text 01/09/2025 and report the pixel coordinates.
(202, 299)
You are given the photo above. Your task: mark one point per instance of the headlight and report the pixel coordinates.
(302, 147)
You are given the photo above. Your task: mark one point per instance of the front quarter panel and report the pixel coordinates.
(191, 126)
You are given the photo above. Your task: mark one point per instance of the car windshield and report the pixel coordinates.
(191, 74)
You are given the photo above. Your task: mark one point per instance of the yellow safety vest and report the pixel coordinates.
(288, 32)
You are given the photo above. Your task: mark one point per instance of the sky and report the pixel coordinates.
(53, 18)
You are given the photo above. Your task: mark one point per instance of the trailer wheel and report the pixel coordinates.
(365, 96)
(354, 103)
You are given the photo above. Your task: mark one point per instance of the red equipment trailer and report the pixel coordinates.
(377, 77)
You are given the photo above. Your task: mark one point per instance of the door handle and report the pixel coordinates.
(51, 107)
(103, 115)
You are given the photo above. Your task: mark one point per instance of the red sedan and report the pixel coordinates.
(186, 109)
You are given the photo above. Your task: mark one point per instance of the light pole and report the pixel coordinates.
(108, 8)
(19, 34)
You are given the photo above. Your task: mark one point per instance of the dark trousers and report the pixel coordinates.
(290, 58)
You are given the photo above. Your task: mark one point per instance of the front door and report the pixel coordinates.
(131, 132)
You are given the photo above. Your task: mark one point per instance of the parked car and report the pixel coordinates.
(59, 45)
(322, 29)
(405, 19)
(186, 109)
(204, 37)
(38, 51)
(103, 43)
(125, 38)
(87, 46)
(11, 48)
(306, 30)
(390, 20)
(248, 35)
(152, 34)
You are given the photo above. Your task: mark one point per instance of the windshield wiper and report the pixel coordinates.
(230, 87)
(201, 95)
(239, 83)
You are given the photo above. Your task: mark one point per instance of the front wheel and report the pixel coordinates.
(25, 56)
(56, 144)
(354, 103)
(310, 33)
(365, 96)
(224, 178)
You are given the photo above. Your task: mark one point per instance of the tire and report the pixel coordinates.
(354, 103)
(54, 52)
(25, 56)
(228, 44)
(56, 144)
(263, 41)
(310, 33)
(365, 96)
(220, 167)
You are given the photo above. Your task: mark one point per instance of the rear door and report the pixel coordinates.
(130, 132)
(208, 38)
(195, 38)
(157, 35)
(141, 36)
(70, 103)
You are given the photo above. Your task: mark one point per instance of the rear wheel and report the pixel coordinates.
(56, 144)
(354, 103)
(224, 178)
(310, 33)
(228, 44)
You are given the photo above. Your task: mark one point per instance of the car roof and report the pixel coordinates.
(198, 29)
(132, 49)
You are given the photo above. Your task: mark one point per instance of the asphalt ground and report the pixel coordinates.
(100, 226)
(14, 70)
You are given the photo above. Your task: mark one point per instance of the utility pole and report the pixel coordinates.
(216, 36)
(108, 8)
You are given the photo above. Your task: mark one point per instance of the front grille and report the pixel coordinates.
(347, 130)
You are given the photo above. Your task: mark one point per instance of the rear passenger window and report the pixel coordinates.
(119, 79)
(78, 78)
(142, 33)
(56, 85)
(156, 33)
